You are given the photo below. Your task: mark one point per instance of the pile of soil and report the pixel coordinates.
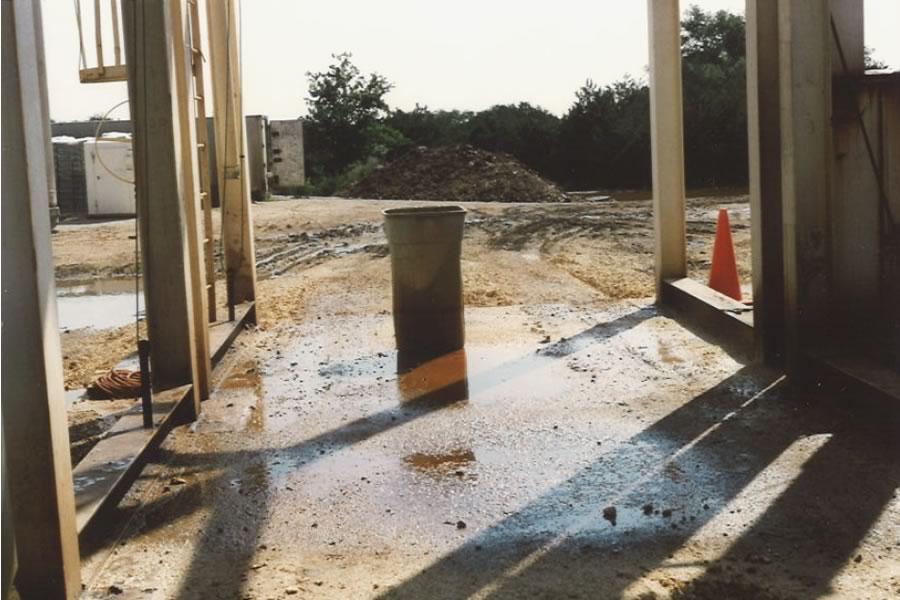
(459, 173)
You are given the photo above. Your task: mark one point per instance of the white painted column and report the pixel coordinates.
(35, 437)
(805, 85)
(667, 140)
(764, 152)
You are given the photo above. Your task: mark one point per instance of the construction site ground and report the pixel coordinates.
(585, 444)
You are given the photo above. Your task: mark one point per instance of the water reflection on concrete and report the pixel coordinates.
(100, 304)
(441, 380)
(237, 404)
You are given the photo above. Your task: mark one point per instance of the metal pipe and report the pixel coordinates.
(146, 388)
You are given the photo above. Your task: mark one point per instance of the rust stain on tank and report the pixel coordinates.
(441, 380)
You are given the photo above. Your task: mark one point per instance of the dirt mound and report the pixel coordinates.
(458, 173)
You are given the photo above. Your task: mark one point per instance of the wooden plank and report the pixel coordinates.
(203, 158)
(114, 16)
(98, 33)
(158, 167)
(764, 149)
(223, 333)
(667, 140)
(804, 33)
(190, 188)
(103, 477)
(231, 149)
(36, 441)
(104, 74)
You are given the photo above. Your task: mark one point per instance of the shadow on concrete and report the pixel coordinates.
(825, 512)
(692, 462)
(224, 554)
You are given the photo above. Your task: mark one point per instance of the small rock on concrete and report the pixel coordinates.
(609, 513)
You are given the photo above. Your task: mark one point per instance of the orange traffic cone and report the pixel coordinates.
(723, 276)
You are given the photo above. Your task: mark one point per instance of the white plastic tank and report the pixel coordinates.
(109, 177)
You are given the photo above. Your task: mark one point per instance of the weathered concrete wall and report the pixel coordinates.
(82, 129)
(71, 189)
(857, 215)
(288, 165)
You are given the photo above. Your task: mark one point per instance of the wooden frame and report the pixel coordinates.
(231, 151)
(166, 198)
(102, 73)
(35, 437)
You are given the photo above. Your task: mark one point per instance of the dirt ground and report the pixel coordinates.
(577, 253)
(585, 444)
(513, 254)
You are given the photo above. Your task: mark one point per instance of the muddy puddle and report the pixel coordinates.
(455, 463)
(98, 304)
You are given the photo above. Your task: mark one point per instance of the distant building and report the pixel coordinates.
(275, 159)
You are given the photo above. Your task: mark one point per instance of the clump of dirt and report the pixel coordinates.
(457, 173)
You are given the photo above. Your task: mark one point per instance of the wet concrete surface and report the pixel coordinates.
(565, 453)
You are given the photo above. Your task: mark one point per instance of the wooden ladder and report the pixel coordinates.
(203, 158)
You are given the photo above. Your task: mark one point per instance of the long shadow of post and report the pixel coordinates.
(826, 511)
(704, 431)
(716, 430)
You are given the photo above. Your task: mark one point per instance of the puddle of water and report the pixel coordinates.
(237, 403)
(102, 473)
(98, 304)
(444, 464)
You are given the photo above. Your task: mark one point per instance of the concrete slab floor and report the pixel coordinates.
(602, 452)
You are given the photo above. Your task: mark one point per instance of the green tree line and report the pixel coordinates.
(601, 142)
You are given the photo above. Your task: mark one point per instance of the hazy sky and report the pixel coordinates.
(465, 54)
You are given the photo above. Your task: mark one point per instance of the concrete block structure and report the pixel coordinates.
(288, 170)
(68, 161)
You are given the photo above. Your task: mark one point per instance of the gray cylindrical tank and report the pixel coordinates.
(425, 244)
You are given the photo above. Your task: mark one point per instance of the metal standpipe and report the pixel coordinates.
(425, 247)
